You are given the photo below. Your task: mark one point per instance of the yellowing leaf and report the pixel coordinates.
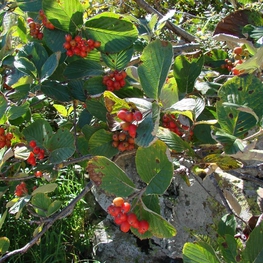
(62, 110)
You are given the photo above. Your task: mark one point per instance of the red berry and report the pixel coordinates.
(32, 143)
(40, 35)
(115, 137)
(115, 144)
(2, 144)
(90, 42)
(132, 130)
(132, 219)
(238, 50)
(124, 74)
(125, 126)
(137, 116)
(125, 208)
(118, 201)
(70, 53)
(143, 226)
(129, 116)
(38, 174)
(118, 76)
(122, 114)
(122, 136)
(2, 138)
(78, 38)
(125, 227)
(121, 147)
(122, 83)
(116, 85)
(36, 150)
(2, 131)
(97, 44)
(68, 37)
(67, 45)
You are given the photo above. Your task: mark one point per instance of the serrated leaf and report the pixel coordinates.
(111, 178)
(3, 105)
(199, 252)
(40, 131)
(169, 93)
(225, 162)
(29, 6)
(82, 68)
(174, 141)
(54, 39)
(56, 91)
(47, 188)
(245, 92)
(253, 251)
(154, 167)
(158, 226)
(26, 66)
(156, 62)
(228, 247)
(94, 86)
(65, 15)
(41, 202)
(186, 69)
(227, 225)
(100, 143)
(96, 107)
(54, 207)
(114, 31)
(61, 146)
(4, 245)
(50, 66)
(18, 111)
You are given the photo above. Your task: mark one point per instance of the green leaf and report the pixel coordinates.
(118, 61)
(3, 105)
(169, 93)
(34, 52)
(115, 32)
(61, 146)
(100, 143)
(94, 86)
(50, 66)
(82, 68)
(18, 111)
(231, 143)
(158, 226)
(40, 131)
(199, 252)
(154, 167)
(228, 247)
(41, 203)
(2, 218)
(244, 92)
(156, 62)
(97, 108)
(174, 142)
(4, 245)
(64, 15)
(111, 178)
(19, 204)
(54, 39)
(26, 66)
(47, 188)
(77, 89)
(227, 225)
(30, 6)
(186, 69)
(54, 207)
(56, 91)
(253, 251)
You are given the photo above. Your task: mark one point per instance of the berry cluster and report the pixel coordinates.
(36, 28)
(120, 209)
(21, 189)
(79, 46)
(45, 21)
(173, 124)
(36, 153)
(122, 141)
(5, 138)
(115, 80)
(128, 117)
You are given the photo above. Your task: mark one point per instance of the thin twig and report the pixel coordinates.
(59, 215)
(177, 30)
(247, 177)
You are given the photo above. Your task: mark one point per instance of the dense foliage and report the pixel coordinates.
(83, 82)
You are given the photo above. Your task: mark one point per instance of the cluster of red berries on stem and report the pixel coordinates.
(79, 46)
(36, 153)
(115, 80)
(38, 174)
(120, 209)
(45, 21)
(173, 124)
(5, 138)
(128, 118)
(122, 141)
(36, 28)
(21, 189)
